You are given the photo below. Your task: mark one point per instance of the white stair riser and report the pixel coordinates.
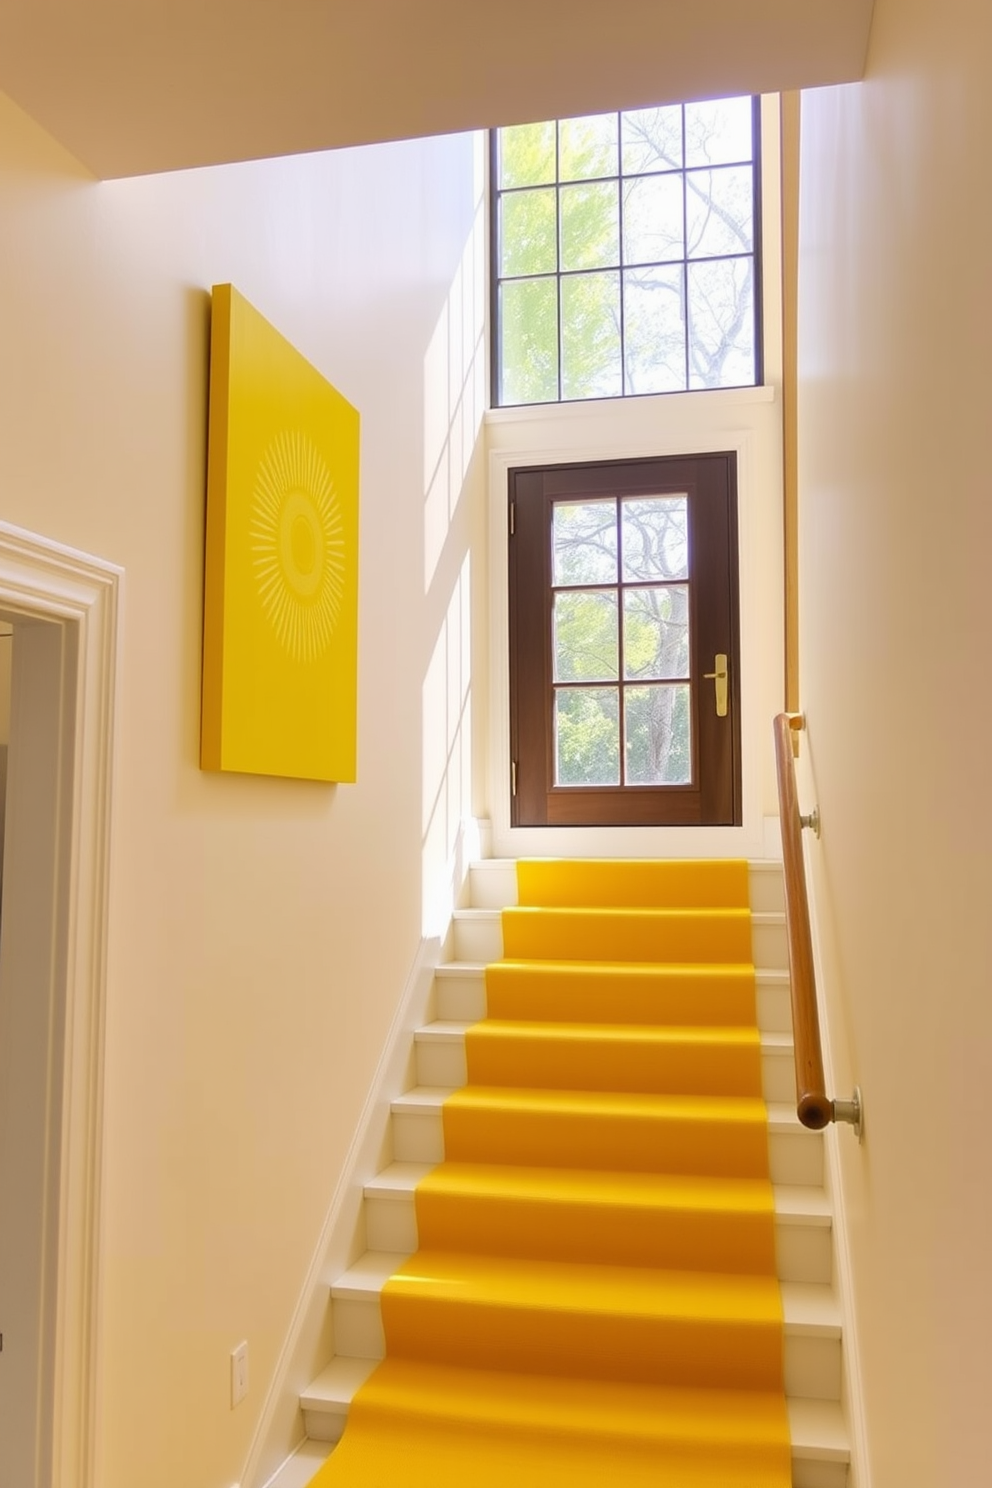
(794, 1158)
(493, 884)
(391, 1224)
(803, 1251)
(806, 1474)
(478, 936)
(812, 1367)
(443, 1063)
(357, 1327)
(326, 1424)
(774, 1006)
(461, 998)
(812, 1363)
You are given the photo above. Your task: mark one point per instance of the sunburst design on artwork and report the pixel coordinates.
(298, 548)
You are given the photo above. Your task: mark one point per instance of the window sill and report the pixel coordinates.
(586, 408)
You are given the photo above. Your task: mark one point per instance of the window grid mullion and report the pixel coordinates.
(621, 661)
(558, 304)
(622, 257)
(685, 258)
(683, 263)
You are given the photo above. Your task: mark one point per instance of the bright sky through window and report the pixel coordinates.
(625, 255)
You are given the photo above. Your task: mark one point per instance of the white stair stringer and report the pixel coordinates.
(803, 1224)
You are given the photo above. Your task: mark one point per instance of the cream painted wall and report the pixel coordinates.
(261, 930)
(896, 521)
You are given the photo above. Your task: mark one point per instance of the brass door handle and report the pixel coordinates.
(720, 677)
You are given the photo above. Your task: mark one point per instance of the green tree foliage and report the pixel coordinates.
(620, 571)
(646, 215)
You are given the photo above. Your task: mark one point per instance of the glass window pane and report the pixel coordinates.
(587, 147)
(653, 228)
(527, 232)
(721, 323)
(651, 139)
(590, 226)
(655, 533)
(587, 736)
(719, 206)
(659, 746)
(654, 330)
(528, 317)
(590, 336)
(656, 633)
(586, 639)
(527, 154)
(718, 132)
(584, 542)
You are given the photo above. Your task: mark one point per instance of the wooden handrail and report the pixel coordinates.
(814, 1107)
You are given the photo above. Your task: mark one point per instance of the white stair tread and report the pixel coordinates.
(758, 916)
(794, 1204)
(427, 1100)
(818, 1430)
(769, 974)
(367, 1277)
(422, 1100)
(799, 1204)
(398, 1181)
(809, 1310)
(442, 1031)
(817, 1427)
(782, 1117)
(451, 1031)
(335, 1386)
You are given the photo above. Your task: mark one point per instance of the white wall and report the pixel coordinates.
(261, 930)
(896, 522)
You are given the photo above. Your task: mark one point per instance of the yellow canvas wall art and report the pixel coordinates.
(280, 623)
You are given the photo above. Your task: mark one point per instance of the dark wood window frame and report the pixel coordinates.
(714, 795)
(497, 279)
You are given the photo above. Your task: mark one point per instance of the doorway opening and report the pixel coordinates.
(62, 608)
(624, 643)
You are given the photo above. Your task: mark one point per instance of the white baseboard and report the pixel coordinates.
(853, 1394)
(309, 1345)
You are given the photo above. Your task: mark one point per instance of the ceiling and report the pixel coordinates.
(135, 86)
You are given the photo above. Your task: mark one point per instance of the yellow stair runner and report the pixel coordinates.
(594, 1298)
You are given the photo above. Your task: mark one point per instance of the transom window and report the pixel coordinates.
(625, 251)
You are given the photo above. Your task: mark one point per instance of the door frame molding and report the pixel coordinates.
(748, 840)
(712, 795)
(41, 580)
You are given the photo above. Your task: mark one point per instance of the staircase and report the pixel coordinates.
(802, 1220)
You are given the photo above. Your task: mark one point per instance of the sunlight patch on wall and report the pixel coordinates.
(455, 381)
(447, 756)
